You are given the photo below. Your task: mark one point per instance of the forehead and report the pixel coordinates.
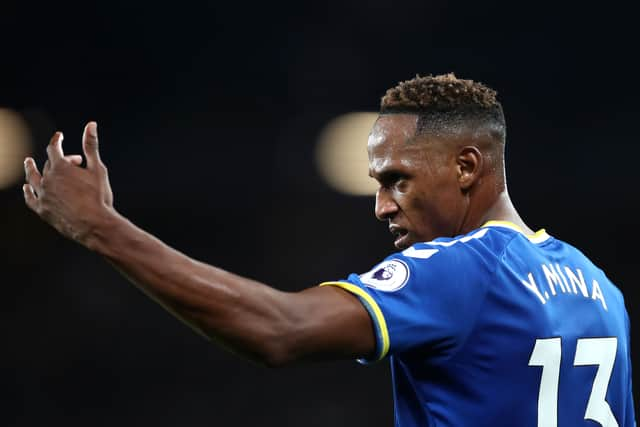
(390, 139)
(392, 129)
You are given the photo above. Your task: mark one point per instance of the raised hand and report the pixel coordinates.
(73, 199)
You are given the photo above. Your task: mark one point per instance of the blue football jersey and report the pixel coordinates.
(498, 328)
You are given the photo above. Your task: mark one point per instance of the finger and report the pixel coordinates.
(54, 149)
(90, 145)
(75, 159)
(32, 175)
(29, 196)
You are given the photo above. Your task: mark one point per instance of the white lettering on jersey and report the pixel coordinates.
(419, 253)
(533, 287)
(564, 280)
(428, 253)
(577, 282)
(556, 277)
(596, 293)
(552, 278)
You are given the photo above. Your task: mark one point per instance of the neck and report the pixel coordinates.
(503, 210)
(500, 209)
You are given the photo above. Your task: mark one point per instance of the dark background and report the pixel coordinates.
(208, 114)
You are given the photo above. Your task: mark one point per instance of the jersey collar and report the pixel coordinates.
(539, 236)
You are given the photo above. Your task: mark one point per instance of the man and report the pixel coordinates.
(486, 323)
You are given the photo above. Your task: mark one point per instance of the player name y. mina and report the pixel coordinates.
(571, 282)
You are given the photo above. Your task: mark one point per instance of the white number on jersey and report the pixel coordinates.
(589, 351)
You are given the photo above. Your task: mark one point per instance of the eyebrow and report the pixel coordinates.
(386, 175)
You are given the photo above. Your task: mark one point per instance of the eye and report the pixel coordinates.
(401, 183)
(394, 180)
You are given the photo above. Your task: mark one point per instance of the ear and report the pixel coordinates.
(469, 162)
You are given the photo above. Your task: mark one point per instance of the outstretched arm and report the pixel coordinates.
(248, 317)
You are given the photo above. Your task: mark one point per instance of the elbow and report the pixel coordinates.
(279, 343)
(274, 362)
(282, 343)
(272, 348)
(277, 352)
(271, 337)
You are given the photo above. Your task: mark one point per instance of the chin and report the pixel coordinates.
(404, 242)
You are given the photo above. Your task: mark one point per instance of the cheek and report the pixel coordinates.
(437, 212)
(422, 210)
(449, 195)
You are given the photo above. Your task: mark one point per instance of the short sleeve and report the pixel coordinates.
(426, 297)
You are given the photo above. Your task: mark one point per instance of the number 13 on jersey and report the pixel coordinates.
(589, 351)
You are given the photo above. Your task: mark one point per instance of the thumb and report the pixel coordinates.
(90, 144)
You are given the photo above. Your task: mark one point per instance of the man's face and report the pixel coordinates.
(419, 193)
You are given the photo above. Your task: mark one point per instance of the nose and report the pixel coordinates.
(386, 207)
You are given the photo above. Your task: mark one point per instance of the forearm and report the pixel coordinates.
(248, 317)
(245, 316)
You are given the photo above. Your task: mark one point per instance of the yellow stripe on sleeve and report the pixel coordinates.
(374, 310)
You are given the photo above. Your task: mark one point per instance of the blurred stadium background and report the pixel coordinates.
(211, 117)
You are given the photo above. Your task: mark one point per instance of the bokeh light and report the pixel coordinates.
(341, 153)
(15, 145)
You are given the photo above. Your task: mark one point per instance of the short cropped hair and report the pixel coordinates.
(445, 102)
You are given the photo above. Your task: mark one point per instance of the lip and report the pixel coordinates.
(401, 236)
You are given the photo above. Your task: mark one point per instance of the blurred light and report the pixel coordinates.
(15, 145)
(341, 154)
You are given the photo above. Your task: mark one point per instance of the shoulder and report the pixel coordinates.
(446, 258)
(579, 258)
(482, 244)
